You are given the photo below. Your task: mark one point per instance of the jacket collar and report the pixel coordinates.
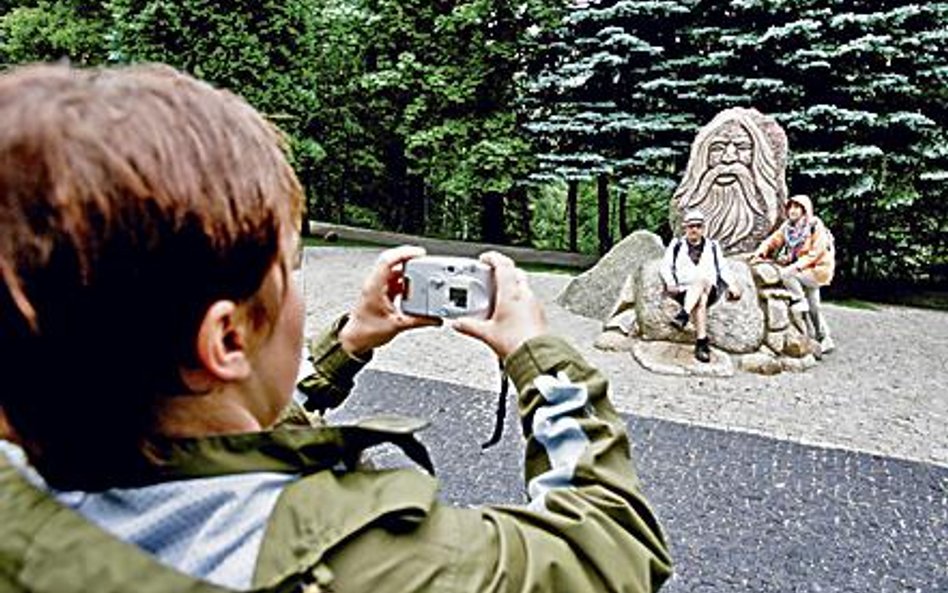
(287, 448)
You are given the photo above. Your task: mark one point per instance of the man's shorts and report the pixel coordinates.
(713, 296)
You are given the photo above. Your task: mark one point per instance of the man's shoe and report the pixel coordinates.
(680, 320)
(703, 350)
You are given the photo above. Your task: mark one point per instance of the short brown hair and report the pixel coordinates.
(130, 200)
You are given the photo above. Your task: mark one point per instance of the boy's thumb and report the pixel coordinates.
(476, 328)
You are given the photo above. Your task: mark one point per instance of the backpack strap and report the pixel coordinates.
(717, 264)
(675, 251)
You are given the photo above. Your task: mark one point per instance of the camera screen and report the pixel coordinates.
(458, 297)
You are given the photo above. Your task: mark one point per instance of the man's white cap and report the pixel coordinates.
(693, 217)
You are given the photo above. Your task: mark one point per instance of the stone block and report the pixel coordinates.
(614, 341)
(761, 363)
(798, 365)
(775, 340)
(796, 345)
(778, 314)
(766, 274)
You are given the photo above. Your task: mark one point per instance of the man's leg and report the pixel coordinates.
(697, 292)
(696, 303)
(689, 301)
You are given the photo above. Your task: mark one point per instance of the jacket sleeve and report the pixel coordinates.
(771, 243)
(816, 250)
(334, 371)
(587, 526)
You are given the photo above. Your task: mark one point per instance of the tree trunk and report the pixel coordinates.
(623, 215)
(492, 218)
(605, 236)
(522, 202)
(396, 174)
(571, 196)
(304, 219)
(414, 200)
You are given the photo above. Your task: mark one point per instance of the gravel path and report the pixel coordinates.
(881, 392)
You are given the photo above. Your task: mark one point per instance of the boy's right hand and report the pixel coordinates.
(375, 319)
(518, 315)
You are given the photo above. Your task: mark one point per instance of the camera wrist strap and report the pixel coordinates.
(501, 408)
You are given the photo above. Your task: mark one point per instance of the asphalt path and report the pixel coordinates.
(743, 512)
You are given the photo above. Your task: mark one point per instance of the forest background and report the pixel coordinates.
(561, 125)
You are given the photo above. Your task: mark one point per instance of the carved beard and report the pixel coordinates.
(729, 209)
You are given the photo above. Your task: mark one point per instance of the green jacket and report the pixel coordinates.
(348, 529)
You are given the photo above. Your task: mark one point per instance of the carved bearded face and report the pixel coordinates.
(731, 178)
(730, 152)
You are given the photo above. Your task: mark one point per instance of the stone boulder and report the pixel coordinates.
(594, 293)
(734, 326)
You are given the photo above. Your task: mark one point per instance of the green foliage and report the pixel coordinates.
(264, 51)
(54, 30)
(467, 118)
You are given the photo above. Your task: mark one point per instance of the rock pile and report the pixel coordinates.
(786, 346)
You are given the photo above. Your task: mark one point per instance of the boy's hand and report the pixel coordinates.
(375, 319)
(517, 316)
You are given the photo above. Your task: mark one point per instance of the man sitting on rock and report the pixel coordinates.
(694, 273)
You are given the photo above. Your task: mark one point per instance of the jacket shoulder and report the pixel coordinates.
(318, 514)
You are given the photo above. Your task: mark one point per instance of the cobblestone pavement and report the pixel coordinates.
(882, 392)
(742, 512)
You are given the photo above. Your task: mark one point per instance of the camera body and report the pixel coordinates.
(437, 286)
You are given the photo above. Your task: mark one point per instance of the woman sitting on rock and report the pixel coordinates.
(802, 248)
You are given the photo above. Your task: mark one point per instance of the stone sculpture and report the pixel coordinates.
(736, 175)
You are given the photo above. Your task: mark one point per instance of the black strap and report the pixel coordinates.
(717, 265)
(501, 409)
(675, 251)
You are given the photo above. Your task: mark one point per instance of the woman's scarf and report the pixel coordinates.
(795, 235)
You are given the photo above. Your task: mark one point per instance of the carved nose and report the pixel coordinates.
(730, 153)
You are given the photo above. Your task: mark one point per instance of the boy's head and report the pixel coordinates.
(131, 200)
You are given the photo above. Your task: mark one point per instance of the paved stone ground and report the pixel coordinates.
(882, 392)
(831, 480)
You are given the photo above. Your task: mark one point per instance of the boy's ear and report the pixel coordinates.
(221, 346)
(6, 429)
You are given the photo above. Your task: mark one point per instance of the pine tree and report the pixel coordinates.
(591, 109)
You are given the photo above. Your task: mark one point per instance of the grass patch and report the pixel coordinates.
(852, 303)
(871, 297)
(320, 242)
(549, 269)
(922, 299)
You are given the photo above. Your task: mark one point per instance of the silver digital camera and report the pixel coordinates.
(450, 287)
